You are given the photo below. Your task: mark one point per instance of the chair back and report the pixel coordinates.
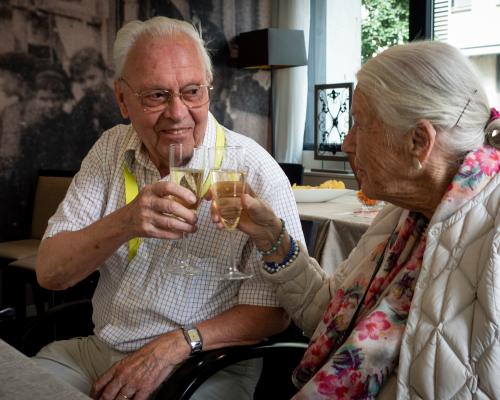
(294, 172)
(65, 321)
(50, 191)
(279, 361)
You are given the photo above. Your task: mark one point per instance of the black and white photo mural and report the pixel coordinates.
(240, 97)
(56, 80)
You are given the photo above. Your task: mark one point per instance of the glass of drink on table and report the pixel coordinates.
(228, 177)
(187, 169)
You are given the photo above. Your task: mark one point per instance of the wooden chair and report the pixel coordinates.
(63, 321)
(18, 257)
(51, 188)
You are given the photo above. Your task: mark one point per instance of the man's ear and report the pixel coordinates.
(120, 99)
(422, 140)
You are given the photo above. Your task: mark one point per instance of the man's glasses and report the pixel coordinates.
(193, 96)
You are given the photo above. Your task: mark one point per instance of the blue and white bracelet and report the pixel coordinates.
(293, 253)
(276, 244)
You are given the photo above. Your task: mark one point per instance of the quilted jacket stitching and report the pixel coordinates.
(439, 229)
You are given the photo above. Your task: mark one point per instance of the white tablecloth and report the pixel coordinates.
(339, 224)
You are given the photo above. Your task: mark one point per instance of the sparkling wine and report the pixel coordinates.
(227, 189)
(191, 179)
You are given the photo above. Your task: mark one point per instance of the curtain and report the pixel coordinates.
(316, 64)
(289, 86)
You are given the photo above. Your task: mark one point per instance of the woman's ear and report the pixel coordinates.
(120, 99)
(422, 140)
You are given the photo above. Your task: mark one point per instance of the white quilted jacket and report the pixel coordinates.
(451, 345)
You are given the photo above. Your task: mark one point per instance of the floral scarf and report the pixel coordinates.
(353, 352)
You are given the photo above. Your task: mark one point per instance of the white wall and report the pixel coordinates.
(486, 66)
(343, 37)
(475, 31)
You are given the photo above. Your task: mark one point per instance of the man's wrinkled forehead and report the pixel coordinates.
(150, 51)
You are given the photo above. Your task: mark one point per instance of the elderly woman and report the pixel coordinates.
(414, 311)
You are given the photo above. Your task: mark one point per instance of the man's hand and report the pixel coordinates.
(137, 375)
(157, 211)
(69, 257)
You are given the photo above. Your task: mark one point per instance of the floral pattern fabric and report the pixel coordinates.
(352, 360)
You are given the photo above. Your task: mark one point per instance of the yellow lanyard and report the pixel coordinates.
(220, 141)
(131, 188)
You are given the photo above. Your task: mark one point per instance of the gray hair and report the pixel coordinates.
(156, 27)
(428, 80)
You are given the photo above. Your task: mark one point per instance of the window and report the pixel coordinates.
(441, 11)
(338, 44)
(316, 70)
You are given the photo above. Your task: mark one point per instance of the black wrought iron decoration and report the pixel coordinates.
(332, 109)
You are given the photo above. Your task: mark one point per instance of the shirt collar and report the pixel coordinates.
(210, 132)
(135, 152)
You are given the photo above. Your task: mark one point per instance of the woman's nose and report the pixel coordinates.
(349, 143)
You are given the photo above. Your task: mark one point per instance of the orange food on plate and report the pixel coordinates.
(329, 184)
(364, 199)
(332, 184)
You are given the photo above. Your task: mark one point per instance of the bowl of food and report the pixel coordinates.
(326, 191)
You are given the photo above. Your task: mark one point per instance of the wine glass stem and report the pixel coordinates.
(231, 253)
(184, 248)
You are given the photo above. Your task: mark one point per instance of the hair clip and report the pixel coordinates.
(466, 105)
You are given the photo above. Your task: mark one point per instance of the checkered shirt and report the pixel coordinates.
(136, 301)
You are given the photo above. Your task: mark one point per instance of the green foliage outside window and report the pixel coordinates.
(384, 23)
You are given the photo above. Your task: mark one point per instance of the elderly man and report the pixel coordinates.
(143, 315)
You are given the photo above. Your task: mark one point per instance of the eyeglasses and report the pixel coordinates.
(193, 96)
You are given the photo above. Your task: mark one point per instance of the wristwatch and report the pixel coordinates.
(193, 337)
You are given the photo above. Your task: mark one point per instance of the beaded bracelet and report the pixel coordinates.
(293, 253)
(276, 244)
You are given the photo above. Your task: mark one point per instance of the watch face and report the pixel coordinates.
(193, 335)
(193, 338)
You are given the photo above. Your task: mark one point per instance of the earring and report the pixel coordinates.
(417, 164)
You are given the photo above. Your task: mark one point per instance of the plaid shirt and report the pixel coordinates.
(136, 301)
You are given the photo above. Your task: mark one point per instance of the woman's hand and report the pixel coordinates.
(257, 220)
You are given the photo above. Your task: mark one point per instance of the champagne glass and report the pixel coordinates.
(187, 169)
(228, 184)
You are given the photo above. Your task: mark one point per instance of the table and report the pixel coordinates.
(335, 227)
(21, 379)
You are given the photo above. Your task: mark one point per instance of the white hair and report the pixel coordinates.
(428, 80)
(156, 27)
